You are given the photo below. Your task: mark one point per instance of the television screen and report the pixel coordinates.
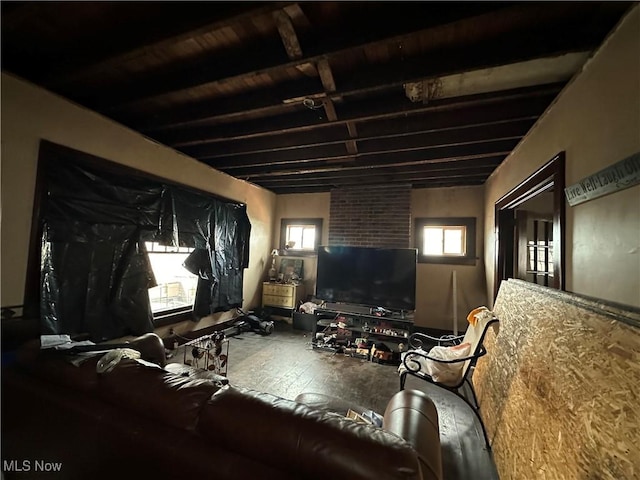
(377, 277)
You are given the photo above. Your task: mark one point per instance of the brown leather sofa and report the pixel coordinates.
(146, 421)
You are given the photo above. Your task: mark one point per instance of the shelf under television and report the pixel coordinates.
(332, 324)
(407, 319)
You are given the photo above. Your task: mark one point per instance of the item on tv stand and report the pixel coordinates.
(380, 312)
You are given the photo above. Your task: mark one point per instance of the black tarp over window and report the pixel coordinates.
(95, 272)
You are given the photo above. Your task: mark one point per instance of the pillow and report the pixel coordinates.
(447, 373)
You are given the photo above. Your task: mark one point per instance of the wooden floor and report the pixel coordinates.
(284, 364)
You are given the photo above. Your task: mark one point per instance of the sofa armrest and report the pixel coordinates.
(412, 415)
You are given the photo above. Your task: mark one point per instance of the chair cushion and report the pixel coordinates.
(445, 373)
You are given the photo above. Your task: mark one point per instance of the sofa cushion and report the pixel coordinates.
(54, 366)
(155, 393)
(307, 443)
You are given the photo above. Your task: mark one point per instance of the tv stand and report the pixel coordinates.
(380, 339)
(348, 308)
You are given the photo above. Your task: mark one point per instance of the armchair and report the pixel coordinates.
(419, 362)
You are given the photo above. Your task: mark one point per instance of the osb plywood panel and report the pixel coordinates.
(559, 390)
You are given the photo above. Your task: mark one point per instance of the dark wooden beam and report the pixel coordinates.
(384, 179)
(477, 116)
(448, 138)
(195, 24)
(326, 75)
(362, 112)
(380, 160)
(471, 167)
(141, 26)
(287, 34)
(473, 52)
(461, 182)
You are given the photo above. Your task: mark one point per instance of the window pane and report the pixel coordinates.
(176, 286)
(454, 241)
(294, 234)
(308, 238)
(433, 237)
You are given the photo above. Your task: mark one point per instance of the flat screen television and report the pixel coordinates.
(377, 277)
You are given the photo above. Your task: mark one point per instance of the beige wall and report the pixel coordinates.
(434, 287)
(307, 205)
(434, 294)
(30, 113)
(596, 121)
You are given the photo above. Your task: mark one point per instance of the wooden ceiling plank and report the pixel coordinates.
(524, 45)
(278, 95)
(159, 37)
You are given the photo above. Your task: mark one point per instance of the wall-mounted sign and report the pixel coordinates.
(619, 176)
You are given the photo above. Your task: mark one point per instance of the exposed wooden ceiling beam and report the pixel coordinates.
(290, 41)
(291, 189)
(378, 160)
(364, 112)
(458, 137)
(539, 71)
(256, 59)
(123, 47)
(326, 76)
(386, 178)
(482, 166)
(287, 34)
(523, 110)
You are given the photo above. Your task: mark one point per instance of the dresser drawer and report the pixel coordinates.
(277, 301)
(280, 290)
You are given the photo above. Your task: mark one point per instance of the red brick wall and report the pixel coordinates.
(372, 216)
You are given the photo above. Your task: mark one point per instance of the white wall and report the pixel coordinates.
(30, 114)
(596, 121)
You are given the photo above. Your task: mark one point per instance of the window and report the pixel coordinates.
(540, 252)
(176, 289)
(446, 240)
(300, 236)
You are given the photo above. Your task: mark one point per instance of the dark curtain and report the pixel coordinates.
(95, 271)
(220, 233)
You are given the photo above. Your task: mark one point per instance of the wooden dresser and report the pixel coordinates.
(282, 295)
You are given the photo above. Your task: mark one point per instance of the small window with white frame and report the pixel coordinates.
(446, 240)
(300, 236)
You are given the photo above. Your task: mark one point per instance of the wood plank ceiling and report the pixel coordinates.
(311, 96)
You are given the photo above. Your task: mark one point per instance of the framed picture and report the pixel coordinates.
(292, 269)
